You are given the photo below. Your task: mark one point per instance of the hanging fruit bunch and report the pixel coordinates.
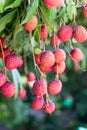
(45, 31)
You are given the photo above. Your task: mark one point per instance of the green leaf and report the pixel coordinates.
(31, 11)
(6, 19)
(2, 2)
(14, 4)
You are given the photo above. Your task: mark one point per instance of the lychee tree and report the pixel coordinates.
(39, 41)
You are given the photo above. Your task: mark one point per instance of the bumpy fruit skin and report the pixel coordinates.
(76, 55)
(60, 55)
(54, 87)
(37, 59)
(37, 103)
(80, 33)
(22, 93)
(31, 24)
(11, 61)
(45, 69)
(20, 62)
(84, 10)
(49, 107)
(64, 33)
(8, 89)
(53, 3)
(6, 51)
(43, 32)
(47, 58)
(54, 40)
(59, 67)
(31, 76)
(39, 88)
(2, 78)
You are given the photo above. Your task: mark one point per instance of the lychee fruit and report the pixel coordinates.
(54, 87)
(39, 88)
(84, 10)
(20, 62)
(43, 32)
(3, 42)
(37, 103)
(45, 69)
(11, 61)
(60, 55)
(31, 24)
(2, 78)
(59, 67)
(6, 52)
(76, 67)
(53, 3)
(31, 76)
(64, 33)
(37, 58)
(8, 89)
(47, 58)
(80, 33)
(22, 93)
(49, 107)
(76, 55)
(54, 40)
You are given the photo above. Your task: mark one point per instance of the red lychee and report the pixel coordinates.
(80, 33)
(47, 58)
(8, 89)
(54, 40)
(76, 67)
(59, 67)
(43, 32)
(6, 52)
(39, 88)
(2, 78)
(76, 55)
(31, 76)
(31, 24)
(64, 33)
(22, 93)
(53, 3)
(84, 10)
(45, 69)
(3, 41)
(11, 61)
(60, 55)
(54, 87)
(37, 59)
(20, 62)
(49, 107)
(37, 103)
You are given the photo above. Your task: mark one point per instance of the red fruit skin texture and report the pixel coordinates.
(64, 33)
(22, 93)
(20, 62)
(80, 33)
(31, 76)
(60, 55)
(43, 32)
(54, 87)
(45, 69)
(37, 103)
(2, 79)
(54, 40)
(47, 58)
(3, 41)
(31, 24)
(37, 59)
(59, 68)
(84, 10)
(76, 55)
(11, 61)
(6, 51)
(49, 107)
(53, 3)
(39, 88)
(8, 89)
